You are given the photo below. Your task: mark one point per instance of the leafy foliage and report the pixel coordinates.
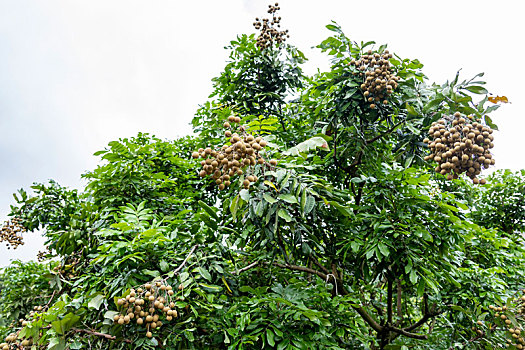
(22, 287)
(349, 241)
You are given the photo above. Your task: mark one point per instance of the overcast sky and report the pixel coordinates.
(75, 75)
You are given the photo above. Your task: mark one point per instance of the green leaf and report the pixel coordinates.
(269, 198)
(421, 288)
(65, 324)
(234, 206)
(211, 211)
(283, 213)
(164, 266)
(283, 345)
(413, 276)
(477, 89)
(56, 343)
(245, 194)
(411, 110)
(110, 314)
(204, 273)
(288, 198)
(270, 337)
(310, 203)
(333, 28)
(96, 302)
(76, 345)
(383, 249)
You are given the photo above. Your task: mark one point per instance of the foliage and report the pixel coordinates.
(349, 241)
(500, 204)
(22, 287)
(144, 168)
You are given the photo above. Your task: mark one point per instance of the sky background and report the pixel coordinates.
(75, 75)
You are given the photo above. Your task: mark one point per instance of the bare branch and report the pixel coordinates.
(185, 260)
(315, 261)
(98, 334)
(246, 268)
(389, 301)
(427, 314)
(408, 334)
(302, 268)
(399, 300)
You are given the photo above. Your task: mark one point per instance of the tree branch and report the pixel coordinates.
(246, 268)
(302, 268)
(185, 260)
(104, 335)
(319, 264)
(332, 279)
(399, 300)
(389, 300)
(427, 314)
(407, 334)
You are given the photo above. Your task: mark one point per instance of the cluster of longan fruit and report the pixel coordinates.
(12, 341)
(459, 146)
(11, 233)
(69, 267)
(515, 332)
(146, 305)
(231, 160)
(379, 80)
(42, 255)
(269, 32)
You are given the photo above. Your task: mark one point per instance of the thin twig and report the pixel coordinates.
(185, 260)
(50, 300)
(246, 268)
(98, 334)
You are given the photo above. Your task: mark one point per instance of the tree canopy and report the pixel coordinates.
(307, 212)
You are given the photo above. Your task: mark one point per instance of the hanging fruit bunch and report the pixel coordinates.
(43, 255)
(11, 233)
(511, 318)
(269, 34)
(147, 306)
(12, 341)
(379, 80)
(236, 159)
(459, 146)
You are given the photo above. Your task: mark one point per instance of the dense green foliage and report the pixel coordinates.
(351, 241)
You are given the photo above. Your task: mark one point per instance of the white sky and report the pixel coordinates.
(75, 75)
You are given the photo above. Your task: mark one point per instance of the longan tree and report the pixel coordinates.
(346, 210)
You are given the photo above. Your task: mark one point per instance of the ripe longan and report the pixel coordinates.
(458, 147)
(238, 157)
(11, 233)
(379, 79)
